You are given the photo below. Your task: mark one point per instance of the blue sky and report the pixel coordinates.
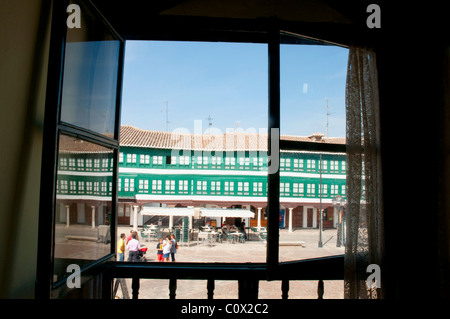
(229, 82)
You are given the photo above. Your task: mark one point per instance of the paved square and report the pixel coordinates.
(253, 250)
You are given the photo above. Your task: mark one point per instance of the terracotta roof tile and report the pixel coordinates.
(136, 137)
(68, 144)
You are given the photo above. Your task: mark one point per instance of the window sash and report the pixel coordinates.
(274, 112)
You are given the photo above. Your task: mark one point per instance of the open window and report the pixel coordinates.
(240, 181)
(81, 147)
(199, 109)
(312, 156)
(205, 106)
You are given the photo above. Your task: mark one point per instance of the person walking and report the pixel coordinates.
(133, 248)
(243, 230)
(174, 248)
(121, 247)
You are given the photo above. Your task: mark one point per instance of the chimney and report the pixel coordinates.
(316, 137)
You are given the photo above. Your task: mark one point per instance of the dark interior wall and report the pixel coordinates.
(24, 47)
(444, 177)
(410, 65)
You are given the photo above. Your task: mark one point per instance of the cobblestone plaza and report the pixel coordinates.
(253, 250)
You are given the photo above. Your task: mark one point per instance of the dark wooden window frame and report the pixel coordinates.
(53, 128)
(267, 31)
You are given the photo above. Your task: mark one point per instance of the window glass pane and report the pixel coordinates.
(312, 104)
(83, 206)
(204, 104)
(90, 76)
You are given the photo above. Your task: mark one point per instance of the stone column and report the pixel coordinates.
(290, 219)
(314, 223)
(335, 216)
(93, 216)
(259, 218)
(224, 219)
(170, 223)
(305, 217)
(135, 217)
(67, 215)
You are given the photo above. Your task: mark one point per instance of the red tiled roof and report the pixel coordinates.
(136, 137)
(68, 144)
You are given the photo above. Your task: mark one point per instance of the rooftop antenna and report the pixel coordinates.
(209, 118)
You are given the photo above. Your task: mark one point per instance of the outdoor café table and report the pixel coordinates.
(202, 235)
(151, 233)
(236, 234)
(210, 237)
(213, 235)
(207, 237)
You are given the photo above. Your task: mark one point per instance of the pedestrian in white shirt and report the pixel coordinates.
(167, 246)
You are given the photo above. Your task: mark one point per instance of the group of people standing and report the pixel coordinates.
(166, 248)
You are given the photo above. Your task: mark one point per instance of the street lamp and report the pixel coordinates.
(320, 205)
(339, 202)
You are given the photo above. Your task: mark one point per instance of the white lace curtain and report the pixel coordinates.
(364, 213)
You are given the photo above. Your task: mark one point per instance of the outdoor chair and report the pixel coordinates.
(230, 238)
(241, 238)
(153, 235)
(203, 236)
(263, 236)
(144, 236)
(220, 237)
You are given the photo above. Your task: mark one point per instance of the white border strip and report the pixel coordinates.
(155, 171)
(243, 198)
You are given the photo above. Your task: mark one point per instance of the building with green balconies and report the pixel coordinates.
(174, 170)
(226, 171)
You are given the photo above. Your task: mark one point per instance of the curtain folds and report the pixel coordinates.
(364, 213)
